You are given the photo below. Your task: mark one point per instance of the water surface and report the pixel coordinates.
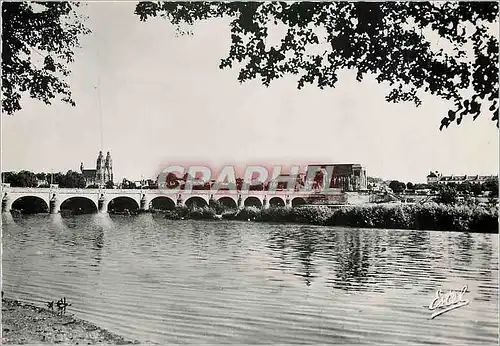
(166, 281)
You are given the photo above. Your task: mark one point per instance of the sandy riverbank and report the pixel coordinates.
(24, 323)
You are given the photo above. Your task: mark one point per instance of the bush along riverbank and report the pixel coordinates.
(429, 216)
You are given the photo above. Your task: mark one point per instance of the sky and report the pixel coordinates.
(162, 100)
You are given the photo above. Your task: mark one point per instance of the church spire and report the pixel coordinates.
(109, 161)
(99, 160)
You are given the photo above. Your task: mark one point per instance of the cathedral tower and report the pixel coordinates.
(99, 169)
(108, 168)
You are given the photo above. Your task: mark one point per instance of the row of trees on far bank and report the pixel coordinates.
(468, 188)
(70, 179)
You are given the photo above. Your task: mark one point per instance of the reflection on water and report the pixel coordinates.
(163, 281)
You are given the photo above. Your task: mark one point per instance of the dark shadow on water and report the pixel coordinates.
(465, 244)
(305, 245)
(348, 251)
(416, 244)
(303, 241)
(489, 264)
(352, 260)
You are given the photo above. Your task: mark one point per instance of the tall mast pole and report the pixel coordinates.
(99, 97)
(99, 106)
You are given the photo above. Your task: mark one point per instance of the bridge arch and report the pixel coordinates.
(298, 201)
(276, 202)
(120, 203)
(30, 205)
(253, 202)
(196, 201)
(79, 204)
(162, 203)
(228, 202)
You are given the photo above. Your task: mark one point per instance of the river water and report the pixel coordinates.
(164, 281)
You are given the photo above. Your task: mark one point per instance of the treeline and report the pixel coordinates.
(70, 179)
(429, 216)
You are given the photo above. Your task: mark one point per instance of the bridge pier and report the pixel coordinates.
(180, 201)
(102, 205)
(54, 204)
(240, 205)
(265, 203)
(5, 203)
(144, 205)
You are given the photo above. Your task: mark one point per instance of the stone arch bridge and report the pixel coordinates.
(54, 198)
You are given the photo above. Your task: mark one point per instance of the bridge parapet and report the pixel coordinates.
(76, 191)
(26, 190)
(155, 191)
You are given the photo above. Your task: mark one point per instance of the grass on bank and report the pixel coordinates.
(429, 216)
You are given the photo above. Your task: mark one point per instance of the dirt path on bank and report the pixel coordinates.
(24, 323)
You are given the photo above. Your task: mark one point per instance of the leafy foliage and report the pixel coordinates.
(20, 179)
(429, 216)
(29, 179)
(447, 195)
(72, 180)
(492, 186)
(397, 186)
(389, 40)
(127, 184)
(38, 39)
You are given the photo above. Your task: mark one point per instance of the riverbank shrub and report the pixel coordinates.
(204, 213)
(245, 214)
(312, 215)
(430, 216)
(197, 213)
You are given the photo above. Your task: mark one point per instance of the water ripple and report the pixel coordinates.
(165, 281)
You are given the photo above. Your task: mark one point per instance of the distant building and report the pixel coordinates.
(102, 174)
(345, 177)
(282, 181)
(438, 178)
(42, 182)
(433, 177)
